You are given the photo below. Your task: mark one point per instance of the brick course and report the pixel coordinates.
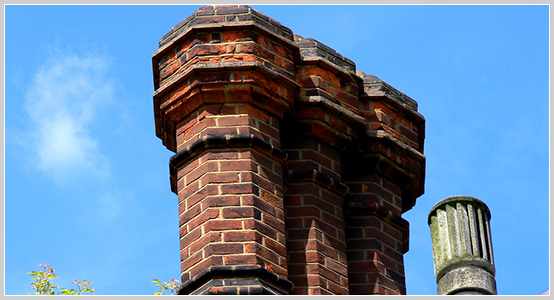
(292, 168)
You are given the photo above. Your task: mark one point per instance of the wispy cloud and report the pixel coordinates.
(62, 102)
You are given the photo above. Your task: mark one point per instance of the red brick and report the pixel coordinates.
(314, 280)
(238, 188)
(242, 236)
(279, 50)
(193, 164)
(183, 254)
(298, 234)
(383, 281)
(274, 222)
(255, 78)
(411, 135)
(314, 257)
(327, 250)
(385, 260)
(240, 212)
(219, 155)
(183, 231)
(248, 130)
(203, 265)
(275, 177)
(256, 49)
(389, 111)
(337, 288)
(270, 130)
(256, 201)
(254, 112)
(205, 123)
(336, 267)
(311, 113)
(393, 231)
(367, 221)
(366, 244)
(204, 217)
(188, 214)
(240, 36)
(261, 228)
(206, 49)
(179, 92)
(219, 131)
(327, 273)
(212, 78)
(186, 192)
(317, 157)
(190, 261)
(237, 165)
(209, 237)
(234, 121)
(271, 198)
(190, 237)
(240, 57)
(222, 225)
(186, 124)
(347, 98)
(206, 191)
(302, 211)
(169, 70)
(303, 189)
(317, 71)
(262, 251)
(193, 40)
(243, 259)
(366, 266)
(293, 200)
(374, 233)
(276, 246)
(298, 257)
(220, 200)
(256, 179)
(168, 58)
(223, 248)
(230, 177)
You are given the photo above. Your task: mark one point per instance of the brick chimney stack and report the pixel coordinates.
(292, 169)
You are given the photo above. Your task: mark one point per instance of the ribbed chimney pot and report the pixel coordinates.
(462, 246)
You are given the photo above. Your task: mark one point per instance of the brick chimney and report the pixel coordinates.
(292, 169)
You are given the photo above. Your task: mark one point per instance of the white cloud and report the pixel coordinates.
(62, 103)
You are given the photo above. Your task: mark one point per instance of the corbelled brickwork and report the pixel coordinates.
(292, 168)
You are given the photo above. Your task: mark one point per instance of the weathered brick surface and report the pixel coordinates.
(292, 168)
(315, 237)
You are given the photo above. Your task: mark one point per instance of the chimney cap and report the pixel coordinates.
(457, 199)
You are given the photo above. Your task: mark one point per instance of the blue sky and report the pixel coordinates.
(87, 181)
